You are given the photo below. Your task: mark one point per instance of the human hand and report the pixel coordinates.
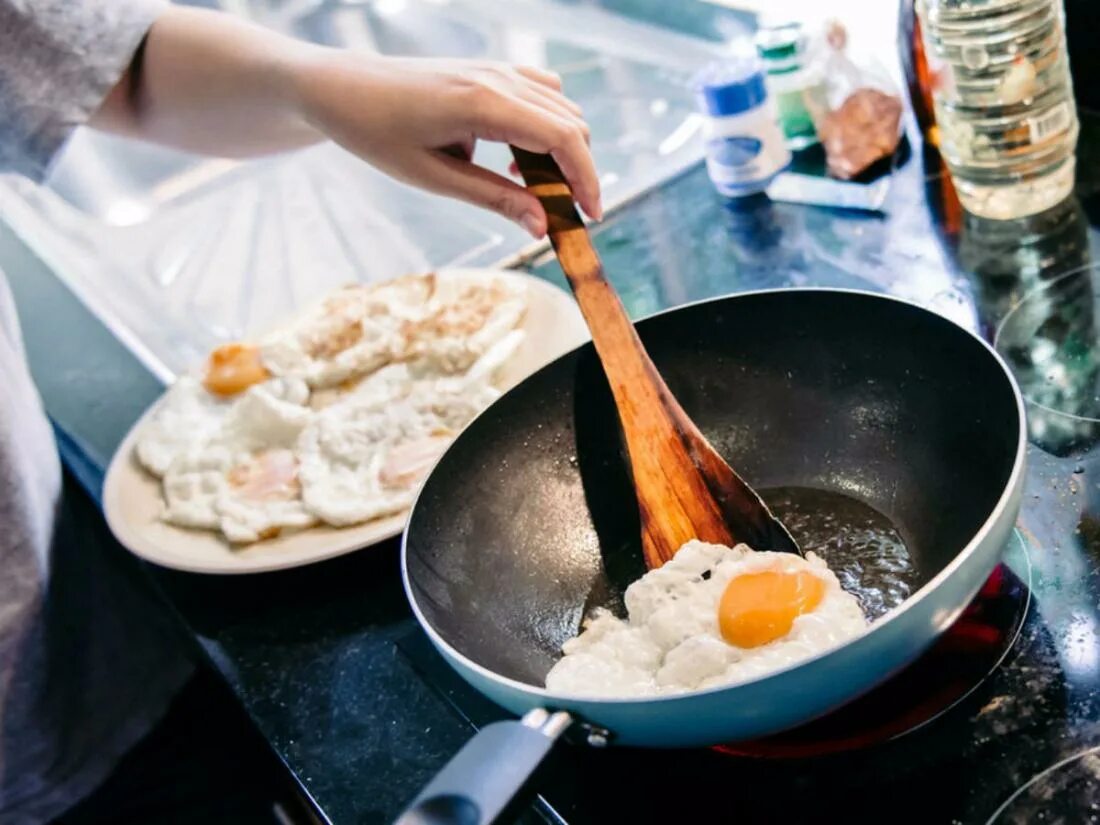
(418, 120)
(206, 82)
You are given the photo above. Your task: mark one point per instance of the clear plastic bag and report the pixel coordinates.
(861, 121)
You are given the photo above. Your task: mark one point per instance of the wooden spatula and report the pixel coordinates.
(685, 489)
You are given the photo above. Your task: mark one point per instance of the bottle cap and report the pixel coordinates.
(730, 88)
(781, 47)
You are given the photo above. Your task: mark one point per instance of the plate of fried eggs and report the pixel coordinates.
(311, 440)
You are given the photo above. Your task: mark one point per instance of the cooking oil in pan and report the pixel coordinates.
(859, 544)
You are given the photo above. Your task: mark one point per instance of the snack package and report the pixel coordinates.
(862, 122)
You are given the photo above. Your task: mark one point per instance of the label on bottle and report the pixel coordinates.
(737, 153)
(743, 163)
(1053, 121)
(794, 117)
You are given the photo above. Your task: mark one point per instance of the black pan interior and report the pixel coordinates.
(529, 520)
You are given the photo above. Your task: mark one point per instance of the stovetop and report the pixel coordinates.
(1000, 721)
(953, 704)
(310, 652)
(982, 728)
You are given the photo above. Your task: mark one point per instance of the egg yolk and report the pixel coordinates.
(233, 368)
(271, 475)
(758, 608)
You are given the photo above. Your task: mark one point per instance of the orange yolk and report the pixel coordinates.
(233, 368)
(758, 608)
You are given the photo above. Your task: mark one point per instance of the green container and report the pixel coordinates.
(792, 84)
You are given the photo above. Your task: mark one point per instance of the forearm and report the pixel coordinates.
(211, 84)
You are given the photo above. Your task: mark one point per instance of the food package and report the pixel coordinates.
(862, 123)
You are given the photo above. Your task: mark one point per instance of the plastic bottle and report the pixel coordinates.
(1004, 107)
(744, 145)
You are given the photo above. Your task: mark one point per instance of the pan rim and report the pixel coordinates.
(547, 697)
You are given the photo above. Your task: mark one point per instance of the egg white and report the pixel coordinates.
(189, 416)
(288, 353)
(670, 641)
(463, 320)
(445, 321)
(185, 417)
(199, 488)
(349, 450)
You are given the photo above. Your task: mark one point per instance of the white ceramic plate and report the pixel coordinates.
(132, 496)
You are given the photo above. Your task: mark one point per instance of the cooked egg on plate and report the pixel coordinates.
(711, 616)
(312, 439)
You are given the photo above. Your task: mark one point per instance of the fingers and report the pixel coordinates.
(546, 85)
(576, 163)
(462, 150)
(546, 91)
(543, 77)
(447, 175)
(540, 95)
(538, 128)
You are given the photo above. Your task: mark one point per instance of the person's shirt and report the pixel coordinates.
(88, 660)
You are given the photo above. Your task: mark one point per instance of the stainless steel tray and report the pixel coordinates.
(177, 253)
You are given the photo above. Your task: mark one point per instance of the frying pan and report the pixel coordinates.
(529, 521)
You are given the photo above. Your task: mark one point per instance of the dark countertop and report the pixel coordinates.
(312, 654)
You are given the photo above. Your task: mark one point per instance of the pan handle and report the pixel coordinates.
(482, 778)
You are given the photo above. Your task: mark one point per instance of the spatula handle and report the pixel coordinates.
(675, 504)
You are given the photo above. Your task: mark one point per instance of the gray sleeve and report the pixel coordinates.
(58, 61)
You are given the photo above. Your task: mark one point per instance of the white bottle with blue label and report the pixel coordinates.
(744, 144)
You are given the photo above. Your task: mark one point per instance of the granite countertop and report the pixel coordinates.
(311, 653)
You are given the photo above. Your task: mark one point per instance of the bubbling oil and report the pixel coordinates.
(860, 545)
